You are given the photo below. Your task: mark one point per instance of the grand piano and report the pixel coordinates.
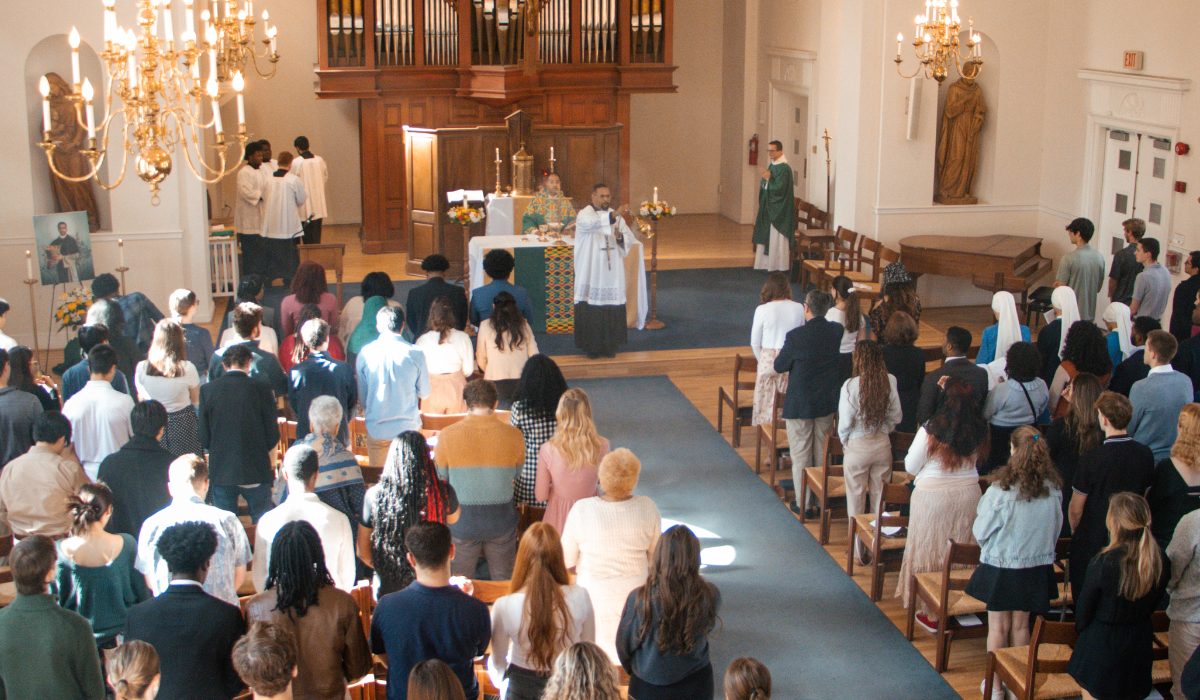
(994, 263)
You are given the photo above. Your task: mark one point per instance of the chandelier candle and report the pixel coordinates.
(74, 41)
(191, 21)
(88, 94)
(44, 87)
(168, 30)
(239, 83)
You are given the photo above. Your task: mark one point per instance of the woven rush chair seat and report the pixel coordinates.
(1047, 686)
(867, 533)
(837, 484)
(960, 603)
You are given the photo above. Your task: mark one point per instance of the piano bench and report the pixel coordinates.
(1039, 303)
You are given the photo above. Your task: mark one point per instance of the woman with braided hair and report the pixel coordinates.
(133, 671)
(324, 620)
(96, 576)
(407, 493)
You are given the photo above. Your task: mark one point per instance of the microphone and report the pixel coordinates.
(612, 217)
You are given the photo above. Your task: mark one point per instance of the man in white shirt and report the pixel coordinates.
(249, 207)
(188, 484)
(300, 466)
(313, 172)
(602, 240)
(6, 343)
(99, 414)
(284, 195)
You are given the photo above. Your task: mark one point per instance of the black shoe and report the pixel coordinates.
(811, 514)
(594, 356)
(794, 508)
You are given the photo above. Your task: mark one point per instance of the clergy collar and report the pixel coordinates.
(280, 173)
(306, 154)
(780, 160)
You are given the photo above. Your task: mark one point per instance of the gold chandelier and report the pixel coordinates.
(154, 86)
(936, 43)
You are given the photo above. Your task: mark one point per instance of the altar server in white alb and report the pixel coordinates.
(602, 240)
(313, 172)
(285, 197)
(249, 207)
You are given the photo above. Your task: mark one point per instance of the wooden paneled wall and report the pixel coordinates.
(559, 120)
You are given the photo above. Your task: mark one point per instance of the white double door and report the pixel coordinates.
(1139, 176)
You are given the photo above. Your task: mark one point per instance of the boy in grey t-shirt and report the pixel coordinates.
(1082, 269)
(1152, 289)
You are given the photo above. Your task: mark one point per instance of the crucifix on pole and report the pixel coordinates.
(828, 179)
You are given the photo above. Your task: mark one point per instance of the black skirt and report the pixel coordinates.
(182, 434)
(697, 686)
(1018, 590)
(524, 684)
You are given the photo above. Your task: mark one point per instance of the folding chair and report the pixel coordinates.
(742, 415)
(942, 592)
(887, 553)
(1037, 671)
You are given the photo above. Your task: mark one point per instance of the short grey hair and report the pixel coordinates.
(325, 415)
(818, 301)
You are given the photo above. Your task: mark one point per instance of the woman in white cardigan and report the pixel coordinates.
(774, 318)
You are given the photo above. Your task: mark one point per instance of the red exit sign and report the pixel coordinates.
(1133, 60)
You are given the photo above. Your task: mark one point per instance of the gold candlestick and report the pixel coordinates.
(498, 162)
(33, 320)
(652, 323)
(122, 270)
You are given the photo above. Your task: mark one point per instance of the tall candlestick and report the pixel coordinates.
(28, 266)
(44, 87)
(121, 251)
(74, 41)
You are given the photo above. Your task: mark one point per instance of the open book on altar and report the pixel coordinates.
(456, 196)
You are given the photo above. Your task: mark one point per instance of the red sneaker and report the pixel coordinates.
(928, 623)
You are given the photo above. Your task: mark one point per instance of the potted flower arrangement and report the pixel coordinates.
(657, 210)
(465, 215)
(73, 307)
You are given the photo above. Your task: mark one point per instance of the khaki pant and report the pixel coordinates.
(806, 442)
(1183, 640)
(867, 462)
(377, 450)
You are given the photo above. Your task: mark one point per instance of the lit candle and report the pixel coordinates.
(91, 112)
(250, 9)
(656, 195)
(121, 251)
(210, 36)
(168, 30)
(899, 44)
(213, 91)
(552, 153)
(110, 19)
(44, 86)
(74, 41)
(131, 47)
(28, 266)
(191, 21)
(238, 84)
(271, 35)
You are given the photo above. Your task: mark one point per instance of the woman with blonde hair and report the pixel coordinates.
(1175, 490)
(747, 679)
(1112, 659)
(609, 540)
(1017, 524)
(133, 671)
(448, 356)
(568, 462)
(544, 614)
(582, 672)
(168, 377)
(96, 576)
(868, 411)
(777, 314)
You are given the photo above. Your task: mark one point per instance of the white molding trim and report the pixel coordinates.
(791, 53)
(111, 237)
(1151, 82)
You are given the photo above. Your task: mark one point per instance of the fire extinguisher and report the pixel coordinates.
(754, 150)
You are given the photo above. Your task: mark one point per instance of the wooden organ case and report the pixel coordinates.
(442, 75)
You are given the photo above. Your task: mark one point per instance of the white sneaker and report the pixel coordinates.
(998, 689)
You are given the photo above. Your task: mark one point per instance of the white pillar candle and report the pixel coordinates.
(44, 87)
(168, 30)
(88, 94)
(121, 251)
(239, 83)
(190, 16)
(656, 195)
(497, 155)
(213, 91)
(899, 45)
(28, 266)
(74, 41)
(552, 153)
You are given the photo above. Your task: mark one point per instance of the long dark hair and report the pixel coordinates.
(441, 318)
(297, 570)
(408, 488)
(308, 284)
(845, 290)
(958, 431)
(542, 385)
(1087, 349)
(508, 321)
(1082, 424)
(874, 389)
(300, 350)
(20, 376)
(686, 604)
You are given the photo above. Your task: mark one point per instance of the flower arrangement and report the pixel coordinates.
(72, 311)
(657, 210)
(465, 215)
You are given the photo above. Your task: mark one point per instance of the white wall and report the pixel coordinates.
(165, 245)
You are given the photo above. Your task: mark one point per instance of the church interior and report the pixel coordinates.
(408, 100)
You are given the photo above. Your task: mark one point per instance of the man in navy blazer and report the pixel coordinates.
(810, 356)
(192, 631)
(498, 264)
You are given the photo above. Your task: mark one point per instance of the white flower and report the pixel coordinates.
(673, 210)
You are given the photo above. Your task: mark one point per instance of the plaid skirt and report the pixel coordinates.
(182, 435)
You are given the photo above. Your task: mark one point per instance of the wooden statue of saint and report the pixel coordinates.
(70, 137)
(958, 145)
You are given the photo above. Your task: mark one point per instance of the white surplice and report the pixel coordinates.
(284, 197)
(599, 259)
(314, 174)
(250, 205)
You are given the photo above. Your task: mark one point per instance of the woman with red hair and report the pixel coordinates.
(308, 287)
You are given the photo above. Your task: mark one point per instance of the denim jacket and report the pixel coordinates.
(1014, 533)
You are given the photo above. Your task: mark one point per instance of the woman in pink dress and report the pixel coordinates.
(568, 461)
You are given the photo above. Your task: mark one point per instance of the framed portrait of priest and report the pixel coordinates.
(64, 248)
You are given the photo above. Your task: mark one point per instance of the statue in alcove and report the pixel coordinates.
(68, 160)
(958, 146)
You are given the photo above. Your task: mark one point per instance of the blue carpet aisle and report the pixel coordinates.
(785, 601)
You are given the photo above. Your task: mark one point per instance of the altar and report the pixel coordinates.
(504, 214)
(547, 272)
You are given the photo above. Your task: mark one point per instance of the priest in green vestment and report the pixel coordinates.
(548, 203)
(775, 226)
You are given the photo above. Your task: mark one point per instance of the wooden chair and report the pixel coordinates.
(811, 235)
(328, 256)
(528, 515)
(942, 593)
(358, 437)
(1160, 672)
(868, 256)
(1062, 576)
(368, 689)
(1037, 671)
(900, 444)
(770, 436)
(887, 553)
(287, 434)
(365, 597)
(490, 591)
(847, 245)
(371, 475)
(742, 414)
(872, 289)
(828, 484)
(437, 422)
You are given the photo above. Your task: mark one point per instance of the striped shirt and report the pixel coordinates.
(479, 456)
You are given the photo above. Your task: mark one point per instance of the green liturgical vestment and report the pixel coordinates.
(776, 206)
